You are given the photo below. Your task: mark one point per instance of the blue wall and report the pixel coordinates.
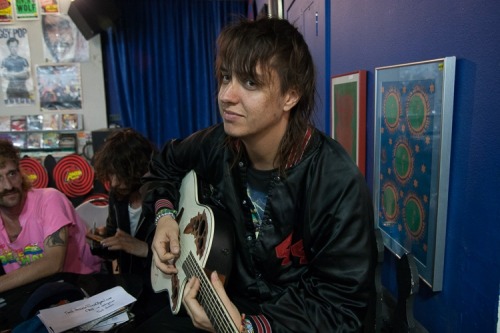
(367, 34)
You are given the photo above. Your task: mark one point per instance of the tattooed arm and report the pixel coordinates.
(51, 263)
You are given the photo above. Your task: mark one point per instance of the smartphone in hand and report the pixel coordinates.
(95, 238)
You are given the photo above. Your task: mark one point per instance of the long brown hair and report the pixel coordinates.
(273, 44)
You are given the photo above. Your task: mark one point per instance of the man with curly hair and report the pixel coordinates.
(121, 162)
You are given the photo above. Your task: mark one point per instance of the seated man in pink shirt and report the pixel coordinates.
(40, 233)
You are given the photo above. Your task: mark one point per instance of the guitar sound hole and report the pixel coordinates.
(198, 227)
(202, 228)
(201, 236)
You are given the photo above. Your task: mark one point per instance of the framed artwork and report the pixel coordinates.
(413, 126)
(348, 114)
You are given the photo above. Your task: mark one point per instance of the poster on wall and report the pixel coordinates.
(62, 41)
(59, 87)
(49, 6)
(348, 114)
(26, 10)
(6, 11)
(15, 69)
(413, 118)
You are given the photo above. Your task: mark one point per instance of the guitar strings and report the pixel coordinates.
(208, 298)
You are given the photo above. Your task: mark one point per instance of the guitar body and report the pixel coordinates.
(206, 241)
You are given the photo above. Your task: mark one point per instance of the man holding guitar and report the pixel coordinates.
(299, 208)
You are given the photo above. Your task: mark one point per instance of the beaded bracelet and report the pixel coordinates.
(246, 325)
(165, 212)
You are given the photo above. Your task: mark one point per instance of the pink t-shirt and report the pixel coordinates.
(46, 211)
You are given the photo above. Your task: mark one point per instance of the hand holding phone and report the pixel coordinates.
(95, 238)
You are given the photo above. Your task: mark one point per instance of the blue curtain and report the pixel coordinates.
(159, 64)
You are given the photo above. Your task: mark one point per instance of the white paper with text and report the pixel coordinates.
(64, 317)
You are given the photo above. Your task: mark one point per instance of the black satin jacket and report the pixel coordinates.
(118, 218)
(311, 269)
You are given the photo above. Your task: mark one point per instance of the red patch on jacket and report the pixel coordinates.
(285, 250)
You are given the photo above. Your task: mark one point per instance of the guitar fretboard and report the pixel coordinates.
(208, 298)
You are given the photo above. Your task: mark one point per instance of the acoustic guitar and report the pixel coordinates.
(207, 243)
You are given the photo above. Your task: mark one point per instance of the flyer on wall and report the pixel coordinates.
(26, 10)
(49, 6)
(6, 11)
(63, 42)
(59, 87)
(15, 68)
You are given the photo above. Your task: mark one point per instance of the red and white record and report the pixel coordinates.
(74, 176)
(35, 171)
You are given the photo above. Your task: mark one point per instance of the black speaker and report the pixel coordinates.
(99, 137)
(92, 17)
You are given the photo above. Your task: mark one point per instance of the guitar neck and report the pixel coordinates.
(209, 299)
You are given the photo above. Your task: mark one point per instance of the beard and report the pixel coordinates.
(10, 198)
(121, 193)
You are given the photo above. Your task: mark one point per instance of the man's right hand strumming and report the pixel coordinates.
(165, 245)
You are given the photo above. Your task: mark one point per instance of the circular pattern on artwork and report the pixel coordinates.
(402, 161)
(73, 175)
(392, 109)
(34, 171)
(417, 111)
(414, 216)
(98, 199)
(390, 203)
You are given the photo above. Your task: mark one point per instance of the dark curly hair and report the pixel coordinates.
(9, 152)
(125, 154)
